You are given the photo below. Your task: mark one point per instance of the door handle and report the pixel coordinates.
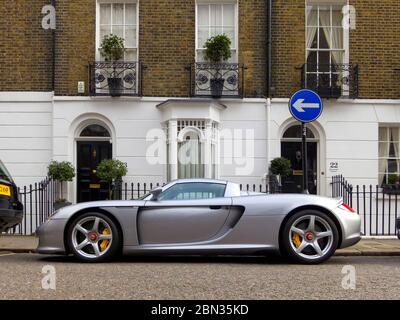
(215, 207)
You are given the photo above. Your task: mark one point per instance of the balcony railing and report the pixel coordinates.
(120, 78)
(216, 80)
(331, 81)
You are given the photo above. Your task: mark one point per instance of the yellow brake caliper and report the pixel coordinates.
(296, 239)
(104, 243)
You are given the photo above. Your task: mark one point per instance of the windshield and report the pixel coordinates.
(4, 174)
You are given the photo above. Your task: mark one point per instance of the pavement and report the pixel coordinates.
(385, 246)
(28, 276)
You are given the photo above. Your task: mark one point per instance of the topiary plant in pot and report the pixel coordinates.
(61, 172)
(282, 168)
(111, 170)
(113, 49)
(217, 50)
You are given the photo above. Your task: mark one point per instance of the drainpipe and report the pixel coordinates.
(269, 48)
(269, 84)
(53, 44)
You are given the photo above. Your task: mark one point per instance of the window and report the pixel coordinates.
(194, 191)
(325, 45)
(295, 132)
(389, 158)
(192, 149)
(121, 19)
(190, 157)
(214, 19)
(95, 130)
(4, 174)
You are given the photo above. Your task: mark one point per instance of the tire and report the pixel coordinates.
(84, 237)
(302, 243)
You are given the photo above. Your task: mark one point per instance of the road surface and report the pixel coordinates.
(197, 278)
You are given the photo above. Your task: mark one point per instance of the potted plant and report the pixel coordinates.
(282, 168)
(111, 170)
(61, 172)
(113, 49)
(217, 50)
(393, 185)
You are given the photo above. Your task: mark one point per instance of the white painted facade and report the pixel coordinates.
(38, 127)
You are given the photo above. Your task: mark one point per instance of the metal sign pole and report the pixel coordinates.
(304, 158)
(305, 106)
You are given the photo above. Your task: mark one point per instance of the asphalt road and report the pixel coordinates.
(198, 278)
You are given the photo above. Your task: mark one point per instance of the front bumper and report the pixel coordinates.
(351, 227)
(51, 237)
(398, 227)
(9, 218)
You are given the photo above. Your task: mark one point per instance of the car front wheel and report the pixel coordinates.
(93, 237)
(310, 237)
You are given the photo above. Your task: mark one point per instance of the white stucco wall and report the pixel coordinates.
(35, 128)
(26, 134)
(349, 134)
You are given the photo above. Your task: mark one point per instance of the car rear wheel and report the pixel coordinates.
(310, 237)
(93, 237)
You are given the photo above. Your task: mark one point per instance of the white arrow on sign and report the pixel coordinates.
(299, 105)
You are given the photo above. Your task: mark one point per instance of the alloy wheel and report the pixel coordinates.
(311, 237)
(92, 237)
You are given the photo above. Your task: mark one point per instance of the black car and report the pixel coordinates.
(11, 209)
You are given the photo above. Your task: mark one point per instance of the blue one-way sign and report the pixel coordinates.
(306, 106)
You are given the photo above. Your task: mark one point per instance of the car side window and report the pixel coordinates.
(193, 191)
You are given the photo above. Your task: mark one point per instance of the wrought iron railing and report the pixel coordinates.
(331, 80)
(216, 80)
(377, 209)
(38, 201)
(119, 78)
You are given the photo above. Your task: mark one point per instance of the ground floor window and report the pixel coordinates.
(192, 149)
(389, 158)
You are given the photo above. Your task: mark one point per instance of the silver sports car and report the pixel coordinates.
(199, 216)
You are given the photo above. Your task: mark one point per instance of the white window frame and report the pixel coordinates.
(346, 36)
(236, 20)
(387, 158)
(98, 40)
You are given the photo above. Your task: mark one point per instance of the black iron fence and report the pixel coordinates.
(378, 210)
(331, 80)
(117, 78)
(205, 78)
(38, 200)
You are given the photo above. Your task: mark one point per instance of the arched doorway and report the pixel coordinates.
(291, 148)
(94, 144)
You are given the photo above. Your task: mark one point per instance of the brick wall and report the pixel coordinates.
(25, 48)
(288, 46)
(75, 43)
(253, 45)
(166, 45)
(374, 46)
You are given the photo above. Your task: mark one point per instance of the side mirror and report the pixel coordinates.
(156, 193)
